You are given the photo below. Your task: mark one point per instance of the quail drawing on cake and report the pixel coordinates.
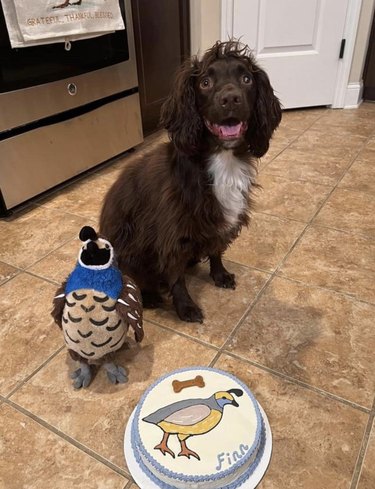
(191, 417)
(94, 308)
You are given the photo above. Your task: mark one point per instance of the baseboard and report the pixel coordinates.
(353, 96)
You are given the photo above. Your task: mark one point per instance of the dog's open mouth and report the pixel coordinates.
(228, 129)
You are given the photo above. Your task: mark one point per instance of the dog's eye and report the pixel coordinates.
(246, 79)
(206, 82)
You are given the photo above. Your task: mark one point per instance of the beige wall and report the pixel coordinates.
(361, 43)
(206, 29)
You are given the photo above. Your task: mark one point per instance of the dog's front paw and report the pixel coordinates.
(224, 279)
(190, 313)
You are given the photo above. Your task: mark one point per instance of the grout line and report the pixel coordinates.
(68, 439)
(249, 267)
(293, 140)
(287, 179)
(307, 224)
(242, 318)
(129, 484)
(18, 272)
(27, 268)
(215, 359)
(301, 282)
(318, 209)
(324, 288)
(316, 182)
(45, 279)
(34, 372)
(345, 231)
(247, 312)
(72, 238)
(67, 213)
(300, 383)
(180, 333)
(347, 167)
(275, 274)
(262, 166)
(355, 190)
(276, 216)
(362, 452)
(32, 274)
(4, 262)
(321, 205)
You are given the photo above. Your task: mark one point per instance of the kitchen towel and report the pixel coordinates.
(47, 21)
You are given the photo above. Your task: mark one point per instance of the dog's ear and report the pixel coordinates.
(267, 115)
(179, 114)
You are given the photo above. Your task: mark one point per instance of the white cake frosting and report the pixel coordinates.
(207, 437)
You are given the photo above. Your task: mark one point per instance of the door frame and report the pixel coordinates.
(349, 34)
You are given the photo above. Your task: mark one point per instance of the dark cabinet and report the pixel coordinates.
(162, 40)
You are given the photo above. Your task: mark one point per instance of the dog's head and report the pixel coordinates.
(224, 97)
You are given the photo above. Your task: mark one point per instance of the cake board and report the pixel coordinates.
(144, 482)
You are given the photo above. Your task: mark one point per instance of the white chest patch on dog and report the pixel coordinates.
(231, 182)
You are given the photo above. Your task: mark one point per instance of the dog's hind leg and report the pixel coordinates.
(220, 275)
(186, 308)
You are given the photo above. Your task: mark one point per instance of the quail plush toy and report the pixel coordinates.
(94, 308)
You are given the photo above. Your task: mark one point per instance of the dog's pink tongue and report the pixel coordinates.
(230, 131)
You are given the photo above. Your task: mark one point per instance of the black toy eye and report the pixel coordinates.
(206, 82)
(107, 246)
(246, 79)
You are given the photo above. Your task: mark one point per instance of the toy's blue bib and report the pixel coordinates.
(108, 281)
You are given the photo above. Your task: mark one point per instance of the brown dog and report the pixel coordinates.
(188, 199)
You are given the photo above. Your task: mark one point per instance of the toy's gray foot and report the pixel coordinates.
(82, 376)
(116, 375)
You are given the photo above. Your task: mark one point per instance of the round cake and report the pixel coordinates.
(198, 428)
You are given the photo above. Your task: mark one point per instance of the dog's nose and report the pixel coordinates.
(230, 98)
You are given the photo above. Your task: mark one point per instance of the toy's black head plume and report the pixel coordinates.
(87, 232)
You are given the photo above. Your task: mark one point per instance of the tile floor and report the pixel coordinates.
(299, 329)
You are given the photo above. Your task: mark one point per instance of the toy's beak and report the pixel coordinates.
(92, 248)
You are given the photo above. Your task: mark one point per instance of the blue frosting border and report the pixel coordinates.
(201, 478)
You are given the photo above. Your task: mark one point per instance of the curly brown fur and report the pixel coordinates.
(188, 200)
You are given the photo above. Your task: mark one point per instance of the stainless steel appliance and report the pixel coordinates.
(63, 112)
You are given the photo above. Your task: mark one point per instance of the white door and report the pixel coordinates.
(297, 42)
